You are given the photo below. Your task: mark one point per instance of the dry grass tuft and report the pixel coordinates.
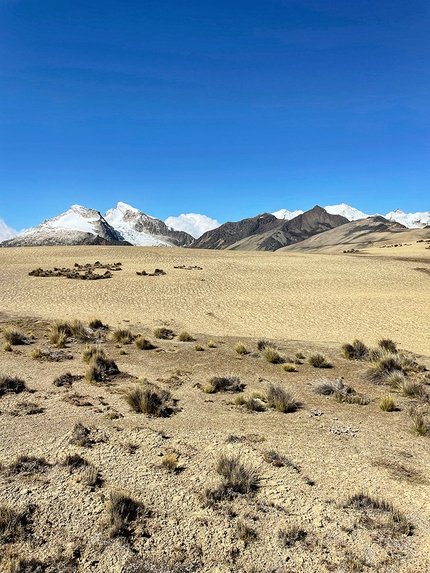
(122, 510)
(81, 436)
(387, 403)
(12, 523)
(272, 355)
(14, 337)
(95, 323)
(169, 462)
(318, 360)
(100, 368)
(355, 351)
(28, 464)
(149, 399)
(236, 475)
(211, 344)
(12, 385)
(240, 348)
(92, 351)
(185, 336)
(122, 336)
(143, 343)
(379, 514)
(163, 333)
(290, 535)
(199, 348)
(281, 400)
(244, 531)
(388, 345)
(412, 389)
(289, 367)
(382, 367)
(223, 384)
(75, 461)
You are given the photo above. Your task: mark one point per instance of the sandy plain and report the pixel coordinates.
(303, 303)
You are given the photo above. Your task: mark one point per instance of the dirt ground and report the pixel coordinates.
(297, 518)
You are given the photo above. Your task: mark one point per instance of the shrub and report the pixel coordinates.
(211, 344)
(262, 344)
(387, 403)
(255, 405)
(272, 355)
(143, 343)
(123, 336)
(240, 348)
(28, 464)
(237, 476)
(149, 399)
(244, 531)
(355, 351)
(81, 436)
(14, 336)
(281, 400)
(9, 385)
(61, 330)
(12, 523)
(91, 352)
(121, 511)
(95, 323)
(169, 462)
(419, 423)
(382, 367)
(388, 345)
(100, 368)
(90, 476)
(413, 389)
(290, 535)
(318, 360)
(351, 398)
(223, 384)
(7, 347)
(395, 379)
(163, 333)
(75, 461)
(289, 367)
(184, 336)
(387, 517)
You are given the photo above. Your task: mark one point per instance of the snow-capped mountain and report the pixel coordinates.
(76, 226)
(142, 230)
(287, 215)
(346, 211)
(411, 220)
(6, 232)
(192, 223)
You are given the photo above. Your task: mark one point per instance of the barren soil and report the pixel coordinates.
(328, 450)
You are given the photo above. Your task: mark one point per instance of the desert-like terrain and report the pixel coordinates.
(335, 482)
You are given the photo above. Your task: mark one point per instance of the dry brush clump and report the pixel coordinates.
(223, 384)
(14, 336)
(281, 400)
(122, 336)
(163, 333)
(379, 514)
(288, 536)
(240, 348)
(185, 336)
(147, 398)
(355, 351)
(257, 402)
(387, 403)
(25, 464)
(122, 510)
(237, 475)
(386, 365)
(12, 385)
(13, 523)
(318, 360)
(100, 368)
(62, 330)
(81, 436)
(143, 343)
(272, 355)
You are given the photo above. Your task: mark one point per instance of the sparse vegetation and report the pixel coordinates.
(12, 523)
(379, 514)
(355, 351)
(388, 345)
(236, 475)
(122, 510)
(91, 352)
(211, 344)
(288, 367)
(353, 398)
(412, 389)
(14, 337)
(27, 465)
(318, 360)
(81, 436)
(223, 384)
(240, 348)
(90, 476)
(281, 400)
(163, 333)
(143, 343)
(262, 344)
(245, 531)
(387, 403)
(382, 367)
(290, 535)
(420, 425)
(272, 355)
(122, 336)
(100, 368)
(75, 461)
(7, 347)
(149, 399)
(95, 323)
(185, 336)
(199, 348)
(169, 462)
(12, 385)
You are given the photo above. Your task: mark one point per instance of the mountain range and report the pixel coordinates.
(289, 230)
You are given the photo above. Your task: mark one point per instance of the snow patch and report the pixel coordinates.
(192, 223)
(6, 232)
(410, 220)
(350, 213)
(287, 215)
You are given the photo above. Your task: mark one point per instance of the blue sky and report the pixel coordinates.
(226, 108)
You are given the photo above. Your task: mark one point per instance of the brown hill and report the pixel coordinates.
(359, 235)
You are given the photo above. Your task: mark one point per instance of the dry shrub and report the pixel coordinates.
(100, 368)
(211, 344)
(123, 336)
(288, 367)
(354, 398)
(385, 365)
(262, 344)
(223, 384)
(273, 458)
(318, 360)
(387, 403)
(14, 337)
(61, 330)
(169, 462)
(412, 389)
(281, 400)
(272, 355)
(379, 514)
(388, 345)
(252, 404)
(7, 347)
(81, 436)
(290, 535)
(143, 343)
(244, 531)
(420, 425)
(236, 475)
(12, 523)
(149, 399)
(75, 461)
(28, 464)
(355, 351)
(11, 385)
(240, 348)
(122, 510)
(163, 333)
(95, 323)
(185, 336)
(91, 352)
(90, 476)
(395, 379)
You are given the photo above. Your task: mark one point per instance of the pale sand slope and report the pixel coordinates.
(308, 297)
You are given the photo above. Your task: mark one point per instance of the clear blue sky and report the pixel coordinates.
(226, 108)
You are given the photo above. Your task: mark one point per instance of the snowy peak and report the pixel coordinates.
(411, 220)
(142, 230)
(287, 215)
(346, 211)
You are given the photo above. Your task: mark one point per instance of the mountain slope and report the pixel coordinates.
(410, 220)
(77, 226)
(310, 223)
(350, 213)
(142, 230)
(358, 235)
(229, 233)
